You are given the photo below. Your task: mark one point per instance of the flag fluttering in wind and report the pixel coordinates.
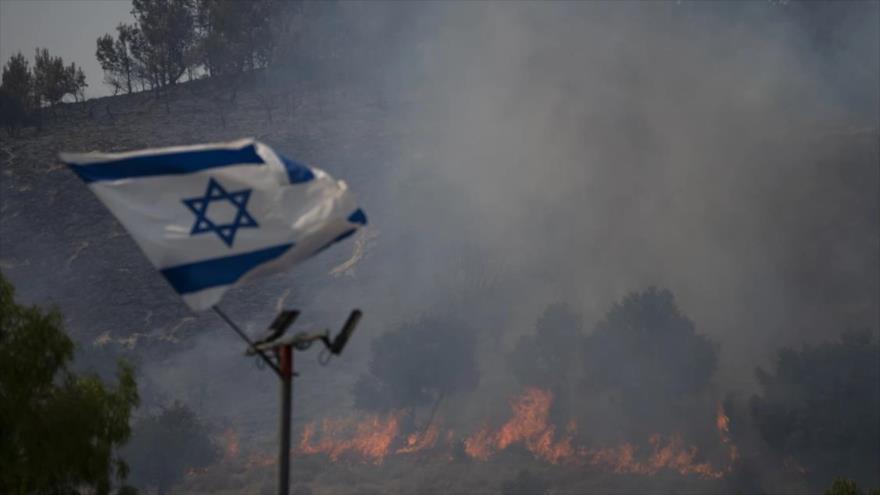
(211, 216)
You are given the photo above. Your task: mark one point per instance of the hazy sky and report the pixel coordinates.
(67, 28)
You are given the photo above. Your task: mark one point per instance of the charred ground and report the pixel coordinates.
(533, 195)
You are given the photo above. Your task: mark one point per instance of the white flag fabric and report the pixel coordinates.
(210, 216)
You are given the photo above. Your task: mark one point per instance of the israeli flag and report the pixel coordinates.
(211, 216)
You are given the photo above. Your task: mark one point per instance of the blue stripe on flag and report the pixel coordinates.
(358, 217)
(183, 162)
(200, 275)
(297, 172)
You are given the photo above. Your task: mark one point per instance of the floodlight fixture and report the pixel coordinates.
(278, 326)
(342, 337)
(276, 350)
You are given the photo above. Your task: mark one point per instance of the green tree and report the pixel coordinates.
(117, 59)
(59, 432)
(820, 405)
(17, 79)
(223, 44)
(237, 36)
(17, 89)
(167, 38)
(74, 82)
(165, 445)
(50, 84)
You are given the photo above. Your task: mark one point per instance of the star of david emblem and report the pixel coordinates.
(216, 193)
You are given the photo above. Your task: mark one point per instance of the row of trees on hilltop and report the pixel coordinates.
(25, 90)
(170, 39)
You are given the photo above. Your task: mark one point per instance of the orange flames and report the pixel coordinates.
(722, 422)
(233, 453)
(528, 426)
(370, 438)
(669, 453)
(232, 450)
(374, 438)
(420, 441)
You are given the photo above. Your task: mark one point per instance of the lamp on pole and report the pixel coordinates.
(277, 352)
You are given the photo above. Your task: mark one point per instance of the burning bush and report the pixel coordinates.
(527, 432)
(548, 358)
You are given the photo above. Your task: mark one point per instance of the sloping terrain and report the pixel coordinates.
(61, 247)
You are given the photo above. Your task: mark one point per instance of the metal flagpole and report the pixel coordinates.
(245, 338)
(285, 356)
(283, 367)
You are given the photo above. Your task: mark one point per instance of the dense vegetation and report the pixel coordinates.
(551, 358)
(419, 364)
(59, 431)
(25, 91)
(820, 405)
(645, 362)
(648, 360)
(652, 371)
(173, 38)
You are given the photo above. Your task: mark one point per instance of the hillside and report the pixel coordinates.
(60, 246)
(335, 131)
(493, 190)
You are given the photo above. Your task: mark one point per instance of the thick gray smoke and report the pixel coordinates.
(582, 150)
(514, 155)
(526, 154)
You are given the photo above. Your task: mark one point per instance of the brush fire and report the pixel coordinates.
(377, 436)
